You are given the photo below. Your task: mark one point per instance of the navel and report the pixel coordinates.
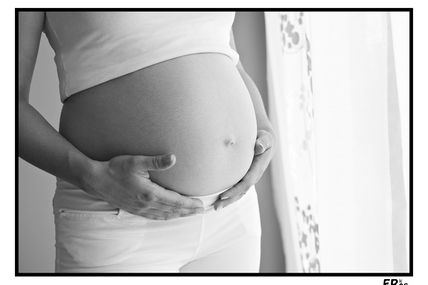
(230, 141)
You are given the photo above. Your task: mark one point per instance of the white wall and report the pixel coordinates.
(36, 188)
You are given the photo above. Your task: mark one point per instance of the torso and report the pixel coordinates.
(195, 106)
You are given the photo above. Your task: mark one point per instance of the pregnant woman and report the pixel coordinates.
(162, 137)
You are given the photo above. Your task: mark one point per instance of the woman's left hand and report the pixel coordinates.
(263, 152)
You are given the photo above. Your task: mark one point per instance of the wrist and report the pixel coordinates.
(83, 171)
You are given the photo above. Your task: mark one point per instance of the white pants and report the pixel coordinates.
(113, 240)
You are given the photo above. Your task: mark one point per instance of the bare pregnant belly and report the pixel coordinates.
(196, 106)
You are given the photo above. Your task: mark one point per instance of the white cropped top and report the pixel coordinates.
(94, 47)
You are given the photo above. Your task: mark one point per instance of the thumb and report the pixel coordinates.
(159, 162)
(259, 148)
(263, 143)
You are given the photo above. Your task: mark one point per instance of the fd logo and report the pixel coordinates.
(393, 282)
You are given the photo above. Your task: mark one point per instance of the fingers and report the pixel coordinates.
(232, 195)
(240, 188)
(253, 175)
(160, 162)
(159, 205)
(264, 142)
(163, 213)
(173, 199)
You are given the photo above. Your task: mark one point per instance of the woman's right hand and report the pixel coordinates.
(124, 182)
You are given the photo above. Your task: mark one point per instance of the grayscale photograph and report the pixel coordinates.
(215, 141)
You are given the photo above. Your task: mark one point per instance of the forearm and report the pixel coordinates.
(41, 145)
(263, 122)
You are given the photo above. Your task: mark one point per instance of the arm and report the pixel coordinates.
(39, 143)
(122, 181)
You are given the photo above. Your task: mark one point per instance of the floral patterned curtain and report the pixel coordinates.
(337, 176)
(292, 114)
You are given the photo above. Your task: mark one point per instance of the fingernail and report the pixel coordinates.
(167, 159)
(198, 203)
(224, 197)
(259, 148)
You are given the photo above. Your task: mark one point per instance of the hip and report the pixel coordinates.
(102, 238)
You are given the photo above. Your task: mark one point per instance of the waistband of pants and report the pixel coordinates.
(70, 196)
(208, 200)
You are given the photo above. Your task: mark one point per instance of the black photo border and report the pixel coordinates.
(380, 274)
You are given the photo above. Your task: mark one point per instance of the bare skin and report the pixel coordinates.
(123, 179)
(195, 106)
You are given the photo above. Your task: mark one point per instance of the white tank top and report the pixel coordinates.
(94, 47)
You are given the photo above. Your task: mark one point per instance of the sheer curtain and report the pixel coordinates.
(338, 178)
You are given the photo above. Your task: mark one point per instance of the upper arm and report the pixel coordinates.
(29, 33)
(232, 45)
